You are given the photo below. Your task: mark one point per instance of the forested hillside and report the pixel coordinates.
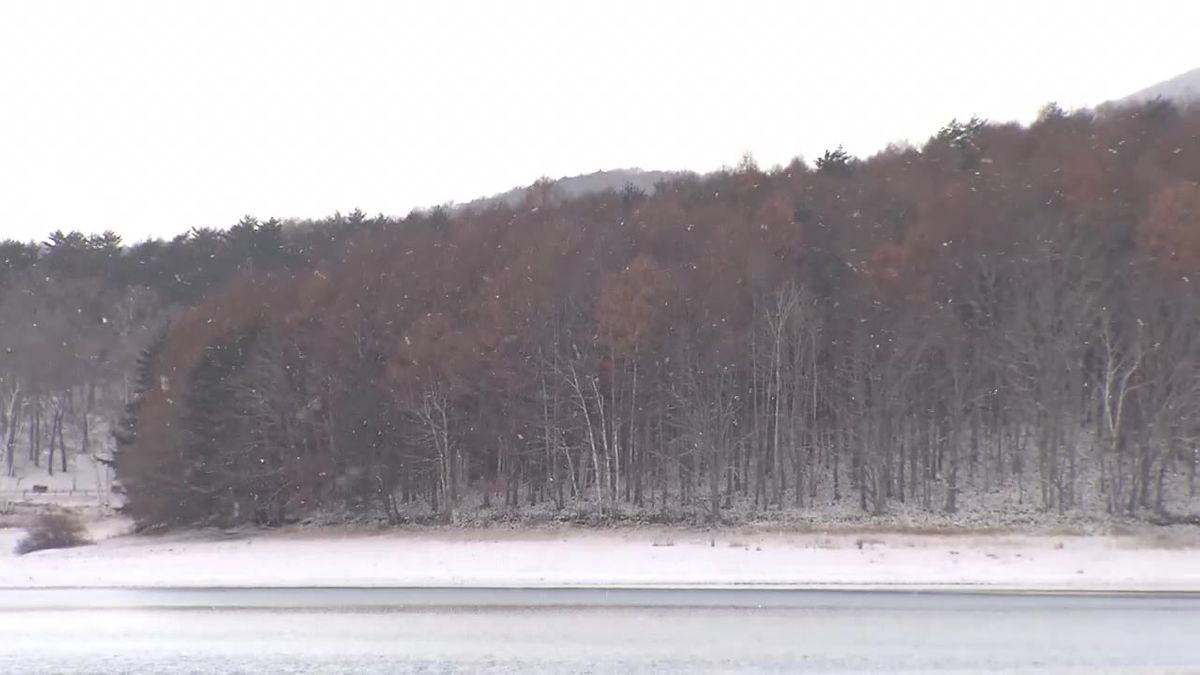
(1005, 320)
(76, 310)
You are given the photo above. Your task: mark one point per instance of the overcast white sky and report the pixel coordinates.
(152, 117)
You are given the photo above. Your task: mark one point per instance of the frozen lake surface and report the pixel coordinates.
(314, 630)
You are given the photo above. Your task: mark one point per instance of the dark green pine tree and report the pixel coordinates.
(15, 258)
(212, 425)
(144, 380)
(836, 162)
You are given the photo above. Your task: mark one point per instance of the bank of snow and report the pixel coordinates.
(582, 557)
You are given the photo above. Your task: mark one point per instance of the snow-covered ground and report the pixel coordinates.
(621, 557)
(87, 483)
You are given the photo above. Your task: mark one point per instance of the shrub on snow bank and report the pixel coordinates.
(53, 530)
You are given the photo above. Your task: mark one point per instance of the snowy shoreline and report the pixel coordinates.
(572, 557)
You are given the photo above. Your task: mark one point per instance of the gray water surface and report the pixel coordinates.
(326, 630)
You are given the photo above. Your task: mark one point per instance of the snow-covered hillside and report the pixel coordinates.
(88, 482)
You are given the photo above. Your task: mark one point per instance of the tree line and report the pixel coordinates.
(1003, 320)
(76, 310)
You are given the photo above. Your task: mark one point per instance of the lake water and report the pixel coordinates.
(590, 631)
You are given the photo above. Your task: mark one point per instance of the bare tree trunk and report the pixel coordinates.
(9, 419)
(55, 436)
(1192, 472)
(756, 415)
(62, 445)
(632, 445)
(603, 434)
(581, 401)
(1160, 483)
(714, 481)
(33, 430)
(614, 426)
(88, 396)
(12, 418)
(952, 479)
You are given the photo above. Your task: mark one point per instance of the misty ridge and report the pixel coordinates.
(1000, 326)
(1182, 89)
